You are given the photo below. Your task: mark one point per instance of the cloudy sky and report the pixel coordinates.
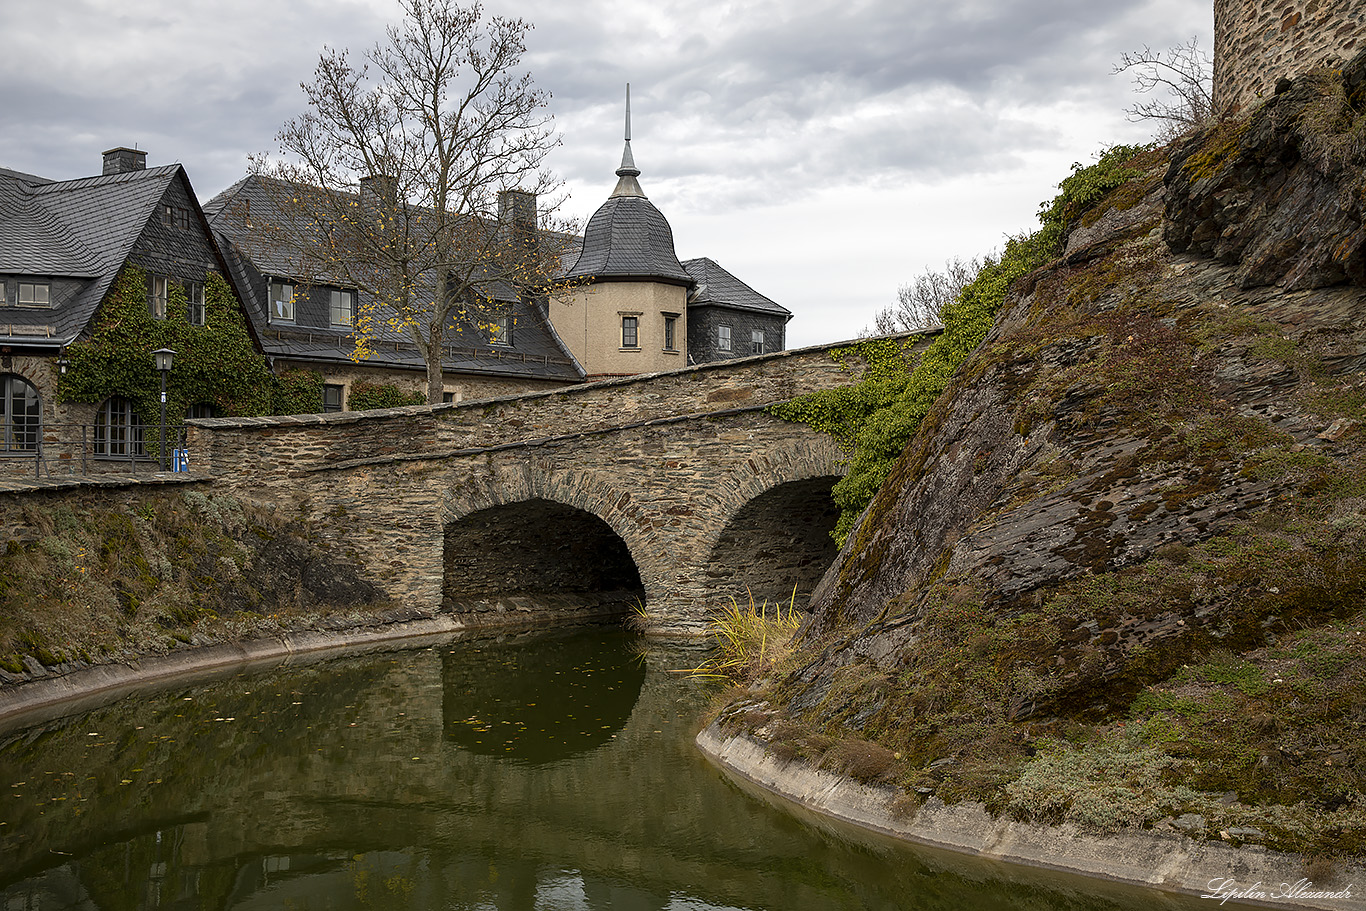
(824, 151)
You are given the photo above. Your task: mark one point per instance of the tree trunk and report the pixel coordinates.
(434, 356)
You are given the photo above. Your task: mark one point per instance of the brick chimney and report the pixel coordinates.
(121, 160)
(379, 191)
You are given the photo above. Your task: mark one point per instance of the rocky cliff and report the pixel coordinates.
(1118, 575)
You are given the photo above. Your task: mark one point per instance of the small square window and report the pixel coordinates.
(332, 397)
(343, 307)
(447, 398)
(630, 332)
(281, 302)
(35, 294)
(670, 333)
(723, 338)
(194, 296)
(159, 296)
(756, 341)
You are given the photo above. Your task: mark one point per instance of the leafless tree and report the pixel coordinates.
(919, 301)
(390, 182)
(1186, 73)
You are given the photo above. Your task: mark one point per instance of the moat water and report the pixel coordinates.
(546, 772)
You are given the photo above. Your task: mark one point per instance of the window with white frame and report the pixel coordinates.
(630, 332)
(723, 338)
(343, 308)
(158, 295)
(22, 417)
(281, 302)
(500, 331)
(35, 294)
(756, 341)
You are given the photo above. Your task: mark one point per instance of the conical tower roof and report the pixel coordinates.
(628, 238)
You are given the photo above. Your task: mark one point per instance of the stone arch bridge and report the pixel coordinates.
(672, 491)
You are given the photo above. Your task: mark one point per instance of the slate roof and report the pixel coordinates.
(627, 237)
(717, 287)
(537, 351)
(82, 228)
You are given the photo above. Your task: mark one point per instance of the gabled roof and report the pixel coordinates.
(83, 228)
(717, 287)
(538, 352)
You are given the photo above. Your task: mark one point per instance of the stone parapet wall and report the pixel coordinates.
(263, 452)
(1257, 42)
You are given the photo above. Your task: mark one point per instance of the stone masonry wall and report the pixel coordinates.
(262, 453)
(1257, 42)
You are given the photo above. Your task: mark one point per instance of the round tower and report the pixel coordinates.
(627, 313)
(1256, 42)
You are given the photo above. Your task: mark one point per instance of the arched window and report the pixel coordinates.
(118, 429)
(22, 418)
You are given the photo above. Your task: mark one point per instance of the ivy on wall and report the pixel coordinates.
(874, 419)
(297, 391)
(215, 364)
(366, 396)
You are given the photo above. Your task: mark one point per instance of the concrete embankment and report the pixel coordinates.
(1168, 861)
(37, 699)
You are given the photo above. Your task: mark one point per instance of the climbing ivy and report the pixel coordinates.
(297, 391)
(216, 363)
(365, 396)
(874, 419)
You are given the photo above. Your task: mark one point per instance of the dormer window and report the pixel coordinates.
(500, 331)
(35, 294)
(343, 308)
(281, 302)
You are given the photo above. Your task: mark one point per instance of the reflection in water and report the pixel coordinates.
(563, 696)
(444, 777)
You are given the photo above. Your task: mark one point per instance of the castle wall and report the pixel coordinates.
(1257, 42)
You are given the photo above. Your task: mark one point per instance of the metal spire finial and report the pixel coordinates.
(628, 172)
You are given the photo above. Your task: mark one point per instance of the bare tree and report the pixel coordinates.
(1186, 73)
(391, 182)
(919, 301)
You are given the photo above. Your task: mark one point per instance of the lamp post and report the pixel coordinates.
(163, 358)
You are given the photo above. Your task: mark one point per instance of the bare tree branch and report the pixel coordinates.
(389, 183)
(920, 301)
(1185, 75)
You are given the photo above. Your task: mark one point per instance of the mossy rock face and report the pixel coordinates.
(161, 569)
(1145, 485)
(1278, 197)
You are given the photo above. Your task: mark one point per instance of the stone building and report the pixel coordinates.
(63, 244)
(306, 321)
(637, 309)
(1256, 42)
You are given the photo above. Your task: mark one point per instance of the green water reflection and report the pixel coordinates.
(548, 772)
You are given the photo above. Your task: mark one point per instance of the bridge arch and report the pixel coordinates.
(526, 537)
(775, 538)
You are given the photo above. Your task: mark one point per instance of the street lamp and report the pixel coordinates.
(163, 357)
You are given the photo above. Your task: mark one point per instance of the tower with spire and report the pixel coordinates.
(628, 312)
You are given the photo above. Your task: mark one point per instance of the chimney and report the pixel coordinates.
(377, 190)
(517, 220)
(121, 161)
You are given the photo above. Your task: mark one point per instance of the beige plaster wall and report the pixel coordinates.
(589, 322)
(462, 386)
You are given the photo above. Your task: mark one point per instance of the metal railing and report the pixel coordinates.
(65, 449)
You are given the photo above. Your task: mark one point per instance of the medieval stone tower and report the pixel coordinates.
(1257, 42)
